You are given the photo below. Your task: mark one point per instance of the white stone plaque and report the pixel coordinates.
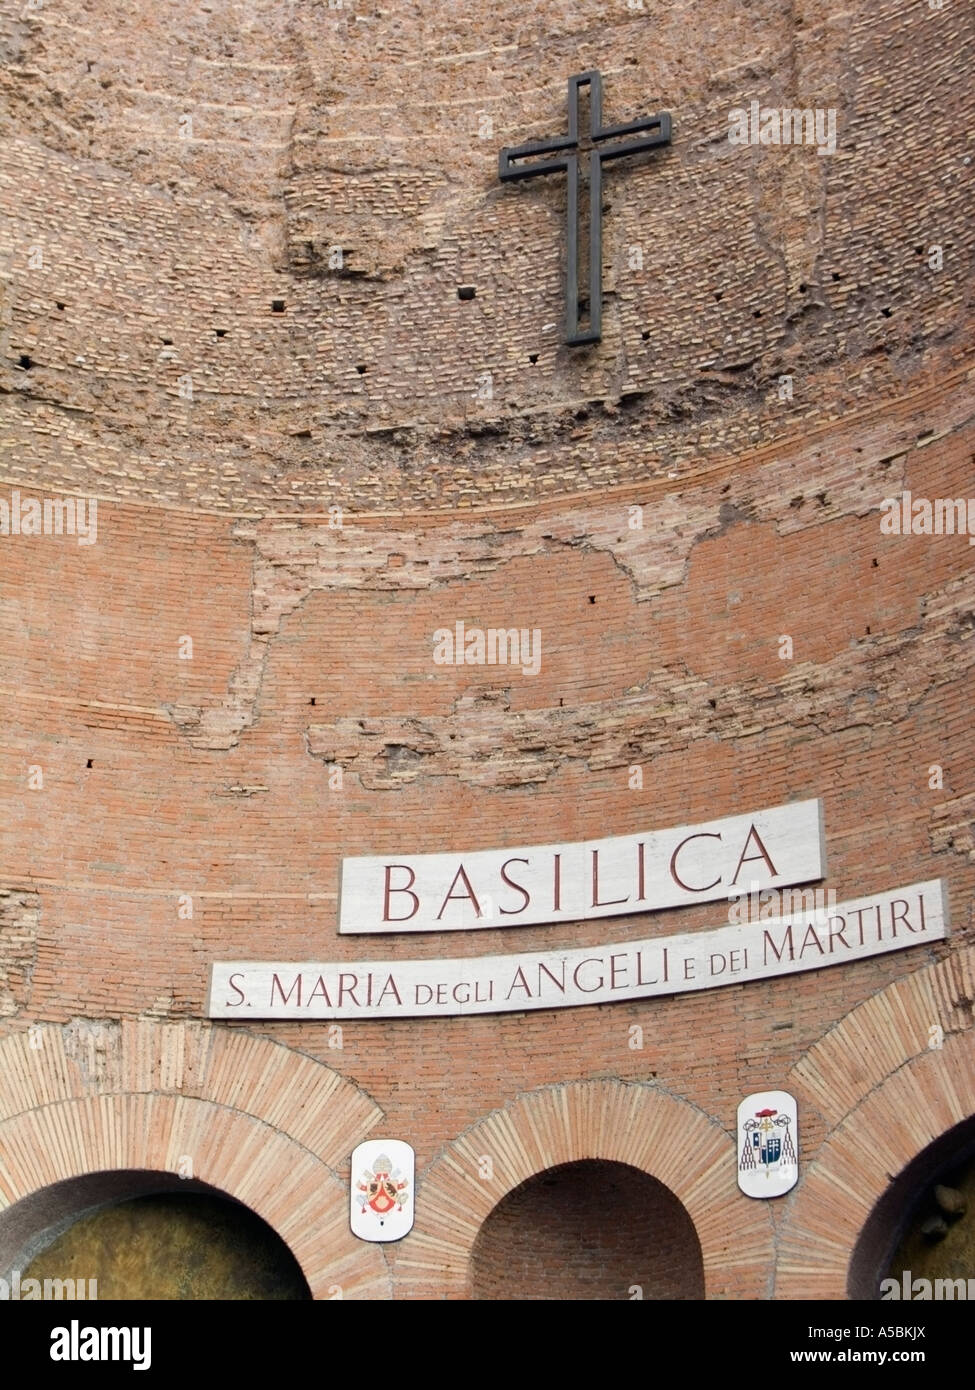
(768, 1144)
(558, 979)
(522, 886)
(382, 1189)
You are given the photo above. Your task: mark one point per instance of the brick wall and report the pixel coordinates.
(588, 1230)
(312, 642)
(183, 175)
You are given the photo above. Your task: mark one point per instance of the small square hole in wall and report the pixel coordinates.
(277, 306)
(26, 362)
(220, 332)
(466, 291)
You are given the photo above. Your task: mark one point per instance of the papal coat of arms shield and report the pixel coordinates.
(768, 1144)
(381, 1206)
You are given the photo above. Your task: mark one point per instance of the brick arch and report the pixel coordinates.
(620, 1121)
(261, 1123)
(885, 1095)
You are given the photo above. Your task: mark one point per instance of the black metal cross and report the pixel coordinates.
(657, 130)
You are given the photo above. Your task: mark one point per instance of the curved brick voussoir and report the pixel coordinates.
(898, 1024)
(249, 1117)
(624, 1123)
(890, 1086)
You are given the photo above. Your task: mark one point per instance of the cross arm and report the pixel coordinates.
(657, 130)
(507, 169)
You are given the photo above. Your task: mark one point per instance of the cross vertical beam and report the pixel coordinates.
(564, 152)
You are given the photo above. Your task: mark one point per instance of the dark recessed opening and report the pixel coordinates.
(886, 313)
(466, 291)
(592, 598)
(836, 275)
(868, 632)
(167, 342)
(713, 704)
(803, 288)
(59, 304)
(645, 334)
(533, 358)
(361, 368)
(277, 306)
(757, 314)
(919, 250)
(88, 763)
(894, 1226)
(220, 332)
(140, 1236)
(25, 362)
(719, 294)
(874, 564)
(559, 1236)
(312, 700)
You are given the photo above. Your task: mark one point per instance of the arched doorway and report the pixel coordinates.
(89, 1112)
(593, 1229)
(145, 1235)
(924, 1225)
(628, 1125)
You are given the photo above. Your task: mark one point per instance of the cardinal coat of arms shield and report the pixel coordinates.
(768, 1144)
